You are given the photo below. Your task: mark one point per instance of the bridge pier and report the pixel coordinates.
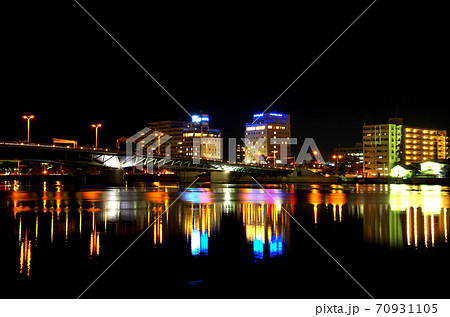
(78, 176)
(220, 177)
(187, 176)
(113, 177)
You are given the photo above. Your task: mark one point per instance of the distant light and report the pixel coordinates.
(198, 119)
(276, 114)
(258, 114)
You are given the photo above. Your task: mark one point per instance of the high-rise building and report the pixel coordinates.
(175, 130)
(199, 132)
(385, 145)
(240, 152)
(266, 136)
(160, 136)
(382, 147)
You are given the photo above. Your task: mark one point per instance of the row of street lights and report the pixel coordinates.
(29, 117)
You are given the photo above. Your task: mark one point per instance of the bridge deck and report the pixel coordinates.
(86, 156)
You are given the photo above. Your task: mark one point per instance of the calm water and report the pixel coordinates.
(224, 241)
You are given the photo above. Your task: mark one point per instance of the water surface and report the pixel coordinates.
(224, 241)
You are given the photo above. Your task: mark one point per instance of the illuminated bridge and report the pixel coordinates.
(106, 158)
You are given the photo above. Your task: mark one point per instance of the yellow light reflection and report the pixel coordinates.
(25, 256)
(428, 225)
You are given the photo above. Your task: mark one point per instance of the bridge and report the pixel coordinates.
(113, 159)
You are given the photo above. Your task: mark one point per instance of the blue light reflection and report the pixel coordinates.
(199, 242)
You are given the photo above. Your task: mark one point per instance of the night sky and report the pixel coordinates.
(225, 59)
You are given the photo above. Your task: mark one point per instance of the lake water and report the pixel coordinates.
(224, 241)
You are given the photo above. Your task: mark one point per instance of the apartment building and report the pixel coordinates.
(382, 146)
(385, 145)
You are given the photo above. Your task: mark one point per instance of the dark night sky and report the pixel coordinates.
(226, 59)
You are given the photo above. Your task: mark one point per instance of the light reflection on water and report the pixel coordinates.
(397, 216)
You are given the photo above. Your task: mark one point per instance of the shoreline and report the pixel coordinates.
(95, 179)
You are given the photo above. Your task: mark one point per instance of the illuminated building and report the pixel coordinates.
(424, 145)
(438, 169)
(381, 147)
(174, 129)
(402, 170)
(210, 140)
(262, 135)
(352, 157)
(386, 145)
(240, 152)
(179, 136)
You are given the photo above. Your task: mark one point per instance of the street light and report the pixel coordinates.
(337, 157)
(28, 118)
(159, 135)
(96, 126)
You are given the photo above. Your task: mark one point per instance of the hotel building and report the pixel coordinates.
(261, 136)
(210, 140)
(176, 138)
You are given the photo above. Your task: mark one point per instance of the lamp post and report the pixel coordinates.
(96, 126)
(159, 135)
(337, 157)
(28, 118)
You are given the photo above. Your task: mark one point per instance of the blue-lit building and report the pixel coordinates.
(262, 134)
